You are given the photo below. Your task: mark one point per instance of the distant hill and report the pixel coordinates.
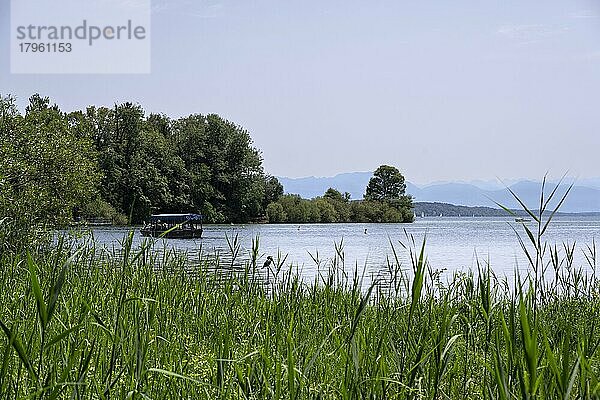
(580, 199)
(427, 209)
(584, 197)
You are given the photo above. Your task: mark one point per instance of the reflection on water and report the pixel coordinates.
(453, 244)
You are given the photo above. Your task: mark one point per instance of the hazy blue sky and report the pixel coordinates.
(442, 90)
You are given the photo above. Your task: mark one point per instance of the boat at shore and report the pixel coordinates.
(173, 226)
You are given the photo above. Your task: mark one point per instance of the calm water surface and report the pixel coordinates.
(451, 243)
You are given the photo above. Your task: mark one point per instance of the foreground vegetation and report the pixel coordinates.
(81, 322)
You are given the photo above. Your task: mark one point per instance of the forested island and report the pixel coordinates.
(384, 201)
(120, 165)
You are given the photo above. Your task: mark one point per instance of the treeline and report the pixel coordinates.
(122, 165)
(290, 208)
(201, 164)
(385, 201)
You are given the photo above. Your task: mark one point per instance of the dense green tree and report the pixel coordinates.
(335, 195)
(405, 205)
(168, 163)
(387, 186)
(339, 202)
(189, 136)
(313, 211)
(138, 163)
(275, 213)
(358, 211)
(47, 168)
(273, 190)
(226, 179)
(193, 164)
(387, 183)
(327, 212)
(294, 207)
(52, 167)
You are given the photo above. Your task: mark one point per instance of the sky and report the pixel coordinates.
(442, 90)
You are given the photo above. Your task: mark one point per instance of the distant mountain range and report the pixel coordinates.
(584, 196)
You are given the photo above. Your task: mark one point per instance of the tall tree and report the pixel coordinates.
(226, 170)
(273, 190)
(190, 139)
(336, 195)
(46, 166)
(340, 202)
(387, 183)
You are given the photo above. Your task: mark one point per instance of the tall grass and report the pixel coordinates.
(82, 324)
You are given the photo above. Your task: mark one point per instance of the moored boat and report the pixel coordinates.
(173, 226)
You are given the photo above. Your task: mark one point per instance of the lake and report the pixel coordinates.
(452, 244)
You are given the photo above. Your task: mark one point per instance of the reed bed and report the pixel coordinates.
(136, 324)
(130, 326)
